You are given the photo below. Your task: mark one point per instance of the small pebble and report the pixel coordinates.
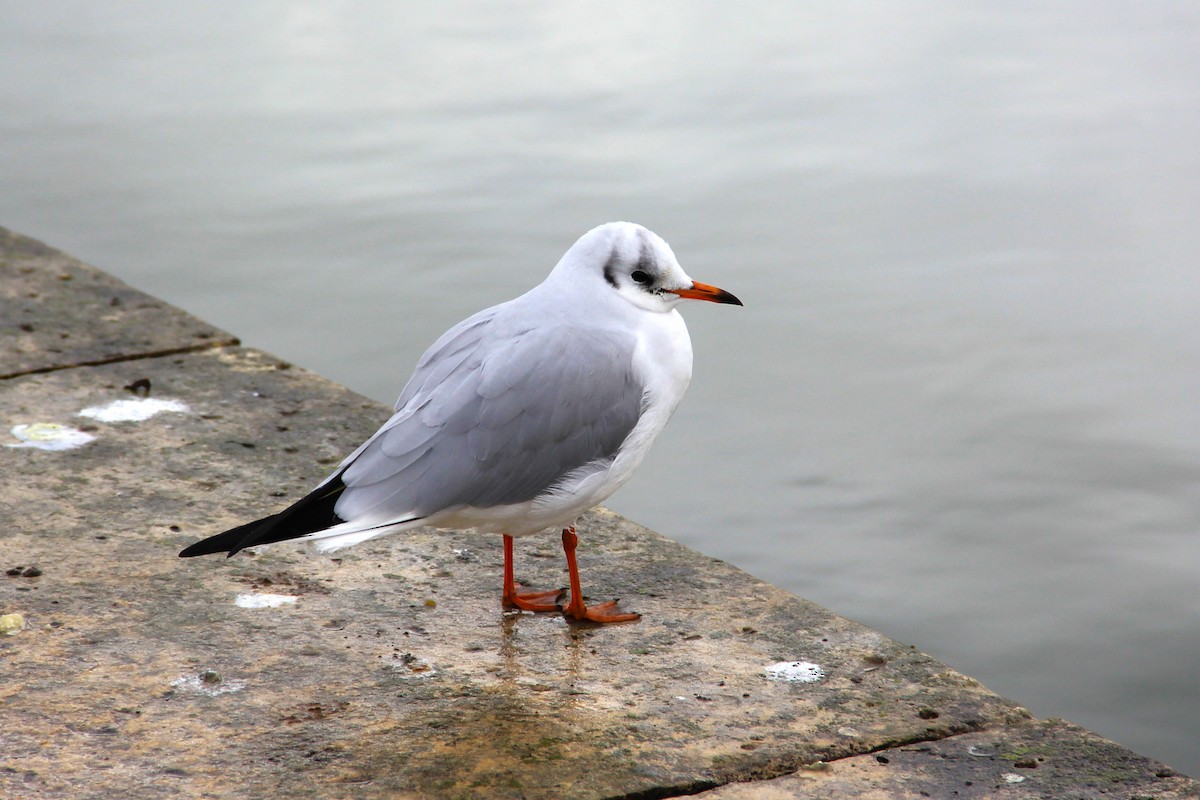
(139, 387)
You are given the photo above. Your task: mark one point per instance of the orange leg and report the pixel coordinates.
(600, 612)
(526, 601)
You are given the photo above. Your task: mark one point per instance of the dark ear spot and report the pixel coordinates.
(610, 268)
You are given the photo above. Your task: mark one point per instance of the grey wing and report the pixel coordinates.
(462, 342)
(493, 418)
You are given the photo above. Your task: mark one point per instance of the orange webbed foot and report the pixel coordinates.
(533, 600)
(576, 610)
(602, 613)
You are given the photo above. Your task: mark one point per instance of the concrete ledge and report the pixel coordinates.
(59, 312)
(392, 672)
(1024, 761)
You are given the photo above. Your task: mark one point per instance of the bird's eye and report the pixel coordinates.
(641, 277)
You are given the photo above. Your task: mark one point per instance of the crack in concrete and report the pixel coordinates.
(117, 359)
(666, 792)
(700, 786)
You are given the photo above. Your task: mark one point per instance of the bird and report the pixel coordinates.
(519, 418)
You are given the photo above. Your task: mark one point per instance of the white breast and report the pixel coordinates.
(662, 362)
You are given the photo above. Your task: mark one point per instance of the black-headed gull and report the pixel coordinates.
(519, 418)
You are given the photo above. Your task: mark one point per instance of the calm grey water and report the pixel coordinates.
(960, 404)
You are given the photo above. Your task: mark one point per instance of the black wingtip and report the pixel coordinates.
(229, 541)
(310, 514)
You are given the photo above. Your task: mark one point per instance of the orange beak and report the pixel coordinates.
(702, 291)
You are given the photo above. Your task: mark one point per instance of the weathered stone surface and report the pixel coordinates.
(395, 671)
(390, 671)
(1050, 759)
(59, 312)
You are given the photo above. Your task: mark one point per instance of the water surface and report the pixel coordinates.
(960, 404)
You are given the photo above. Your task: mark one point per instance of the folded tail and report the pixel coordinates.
(311, 514)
